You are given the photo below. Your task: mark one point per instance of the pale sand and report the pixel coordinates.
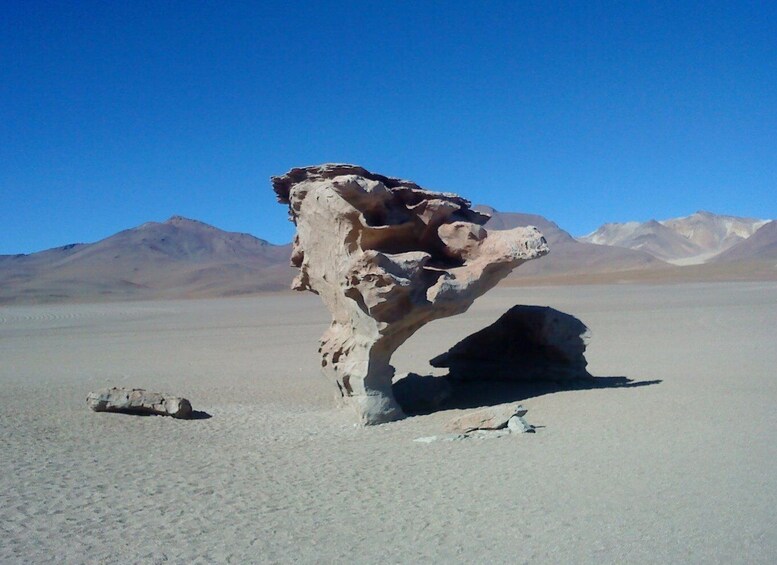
(683, 471)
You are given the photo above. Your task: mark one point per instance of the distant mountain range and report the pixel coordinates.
(176, 258)
(695, 239)
(761, 246)
(183, 258)
(567, 255)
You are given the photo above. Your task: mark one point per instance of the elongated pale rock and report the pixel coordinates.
(386, 257)
(138, 401)
(491, 418)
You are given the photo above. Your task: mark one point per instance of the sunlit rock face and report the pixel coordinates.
(386, 257)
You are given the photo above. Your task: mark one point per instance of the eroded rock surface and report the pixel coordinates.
(527, 343)
(138, 401)
(387, 257)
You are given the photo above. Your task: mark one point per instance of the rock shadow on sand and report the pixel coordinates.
(467, 395)
(436, 394)
(529, 351)
(195, 415)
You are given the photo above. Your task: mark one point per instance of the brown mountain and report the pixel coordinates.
(176, 258)
(688, 240)
(182, 258)
(761, 246)
(187, 258)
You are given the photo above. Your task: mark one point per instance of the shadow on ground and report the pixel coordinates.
(428, 394)
(474, 394)
(529, 351)
(195, 415)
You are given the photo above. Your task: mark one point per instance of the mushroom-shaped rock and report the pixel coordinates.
(386, 257)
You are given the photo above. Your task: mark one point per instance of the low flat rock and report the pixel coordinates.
(491, 418)
(526, 344)
(138, 401)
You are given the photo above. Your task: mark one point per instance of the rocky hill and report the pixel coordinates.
(688, 240)
(176, 258)
(761, 246)
(567, 255)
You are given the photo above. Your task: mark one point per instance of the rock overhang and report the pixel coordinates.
(387, 256)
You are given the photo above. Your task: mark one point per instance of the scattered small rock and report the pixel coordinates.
(491, 418)
(427, 439)
(518, 425)
(487, 423)
(138, 401)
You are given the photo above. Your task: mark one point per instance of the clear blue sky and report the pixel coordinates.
(117, 113)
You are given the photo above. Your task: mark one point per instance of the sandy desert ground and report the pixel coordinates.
(676, 471)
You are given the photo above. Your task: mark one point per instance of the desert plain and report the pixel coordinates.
(677, 465)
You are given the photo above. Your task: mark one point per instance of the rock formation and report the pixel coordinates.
(386, 257)
(487, 423)
(492, 418)
(418, 394)
(527, 343)
(138, 401)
